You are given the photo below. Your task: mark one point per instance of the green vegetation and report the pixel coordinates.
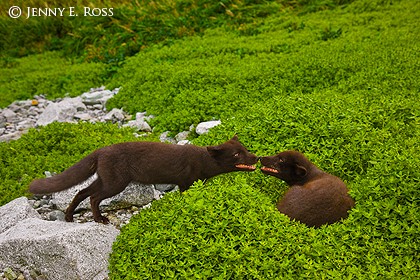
(134, 25)
(47, 74)
(336, 80)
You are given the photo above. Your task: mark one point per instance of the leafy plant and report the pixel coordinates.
(47, 74)
(130, 27)
(349, 102)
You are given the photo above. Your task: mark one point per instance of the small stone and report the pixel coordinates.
(62, 111)
(182, 136)
(2, 120)
(27, 275)
(83, 116)
(184, 142)
(96, 96)
(164, 137)
(204, 127)
(140, 125)
(56, 215)
(9, 115)
(157, 194)
(37, 204)
(34, 102)
(164, 187)
(140, 116)
(114, 115)
(44, 202)
(26, 124)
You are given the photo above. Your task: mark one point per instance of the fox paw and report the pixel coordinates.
(101, 219)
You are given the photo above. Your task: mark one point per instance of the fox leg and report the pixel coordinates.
(107, 190)
(80, 196)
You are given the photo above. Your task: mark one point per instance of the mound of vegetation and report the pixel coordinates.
(339, 90)
(339, 85)
(215, 76)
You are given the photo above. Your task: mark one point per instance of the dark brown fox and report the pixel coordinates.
(315, 197)
(147, 163)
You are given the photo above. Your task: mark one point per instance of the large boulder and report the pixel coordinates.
(58, 250)
(14, 212)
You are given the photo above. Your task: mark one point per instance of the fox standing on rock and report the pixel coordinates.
(147, 163)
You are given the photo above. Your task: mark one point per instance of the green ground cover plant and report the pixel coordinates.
(48, 74)
(130, 26)
(221, 73)
(338, 84)
(347, 100)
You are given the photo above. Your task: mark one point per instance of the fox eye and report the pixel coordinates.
(236, 154)
(281, 160)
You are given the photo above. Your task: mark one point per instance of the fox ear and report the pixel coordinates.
(235, 138)
(300, 170)
(214, 151)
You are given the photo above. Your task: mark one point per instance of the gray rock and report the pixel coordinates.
(11, 136)
(56, 215)
(20, 116)
(164, 137)
(157, 194)
(164, 187)
(141, 115)
(83, 116)
(25, 124)
(204, 127)
(59, 250)
(134, 194)
(14, 212)
(184, 142)
(97, 96)
(140, 125)
(2, 120)
(33, 111)
(182, 136)
(22, 104)
(115, 115)
(63, 111)
(9, 115)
